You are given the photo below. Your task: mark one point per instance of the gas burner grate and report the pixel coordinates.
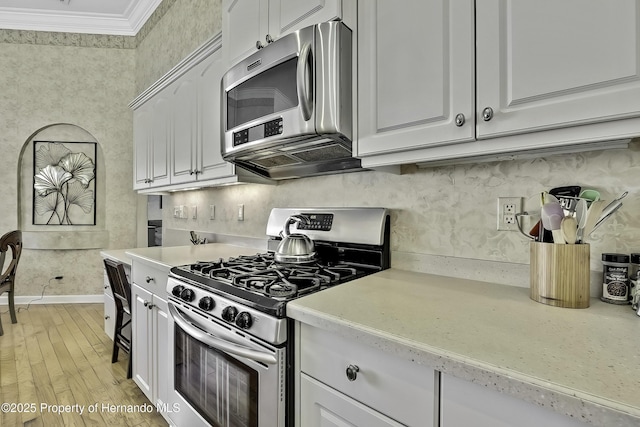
(260, 274)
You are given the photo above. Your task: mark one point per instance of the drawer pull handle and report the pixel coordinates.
(150, 279)
(352, 372)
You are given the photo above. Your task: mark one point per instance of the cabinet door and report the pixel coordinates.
(244, 22)
(286, 16)
(549, 64)
(109, 314)
(185, 132)
(161, 137)
(142, 339)
(210, 163)
(142, 126)
(466, 404)
(161, 350)
(415, 75)
(322, 406)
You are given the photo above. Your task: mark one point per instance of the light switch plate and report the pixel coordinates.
(240, 212)
(194, 212)
(212, 211)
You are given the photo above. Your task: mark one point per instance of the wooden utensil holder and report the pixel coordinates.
(559, 274)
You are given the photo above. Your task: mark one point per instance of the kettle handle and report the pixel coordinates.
(300, 219)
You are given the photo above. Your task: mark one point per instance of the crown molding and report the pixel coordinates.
(127, 24)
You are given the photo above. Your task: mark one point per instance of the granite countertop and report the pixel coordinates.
(170, 256)
(119, 255)
(581, 362)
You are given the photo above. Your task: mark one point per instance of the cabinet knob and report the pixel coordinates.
(259, 45)
(146, 303)
(352, 372)
(487, 114)
(197, 172)
(269, 39)
(150, 306)
(149, 279)
(460, 119)
(107, 317)
(191, 172)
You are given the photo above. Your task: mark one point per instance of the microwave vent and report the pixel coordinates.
(254, 64)
(275, 161)
(324, 153)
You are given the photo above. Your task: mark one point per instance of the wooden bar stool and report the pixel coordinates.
(122, 296)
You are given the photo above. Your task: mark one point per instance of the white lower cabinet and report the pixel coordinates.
(466, 404)
(322, 406)
(345, 383)
(150, 333)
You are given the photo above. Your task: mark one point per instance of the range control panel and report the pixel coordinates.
(321, 222)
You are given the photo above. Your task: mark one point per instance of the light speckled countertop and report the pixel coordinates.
(170, 256)
(580, 362)
(119, 255)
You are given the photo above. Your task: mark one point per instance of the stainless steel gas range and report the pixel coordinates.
(232, 358)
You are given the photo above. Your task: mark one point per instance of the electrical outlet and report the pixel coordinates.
(508, 207)
(194, 212)
(212, 211)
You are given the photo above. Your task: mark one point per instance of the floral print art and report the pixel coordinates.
(64, 183)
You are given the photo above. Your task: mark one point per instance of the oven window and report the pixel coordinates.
(222, 390)
(269, 92)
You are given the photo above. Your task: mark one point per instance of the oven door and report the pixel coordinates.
(220, 376)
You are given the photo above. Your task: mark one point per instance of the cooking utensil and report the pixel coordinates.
(590, 195)
(295, 248)
(581, 217)
(593, 213)
(569, 228)
(552, 215)
(609, 210)
(566, 196)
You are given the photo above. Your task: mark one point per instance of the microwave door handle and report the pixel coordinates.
(304, 82)
(218, 343)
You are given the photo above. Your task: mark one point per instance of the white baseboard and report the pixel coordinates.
(55, 299)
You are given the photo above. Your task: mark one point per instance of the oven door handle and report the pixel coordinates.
(219, 344)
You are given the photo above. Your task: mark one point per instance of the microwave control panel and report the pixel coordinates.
(261, 131)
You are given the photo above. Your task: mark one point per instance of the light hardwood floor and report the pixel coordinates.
(59, 354)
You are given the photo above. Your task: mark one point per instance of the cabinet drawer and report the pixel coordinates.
(153, 279)
(397, 388)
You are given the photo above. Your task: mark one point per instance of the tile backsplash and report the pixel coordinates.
(442, 211)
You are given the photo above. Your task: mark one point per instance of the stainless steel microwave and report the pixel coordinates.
(287, 109)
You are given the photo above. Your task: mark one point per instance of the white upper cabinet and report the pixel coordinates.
(185, 129)
(549, 64)
(248, 25)
(415, 75)
(196, 152)
(152, 135)
(209, 157)
(526, 77)
(177, 132)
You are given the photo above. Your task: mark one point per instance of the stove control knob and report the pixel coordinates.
(177, 290)
(206, 303)
(229, 313)
(244, 320)
(188, 295)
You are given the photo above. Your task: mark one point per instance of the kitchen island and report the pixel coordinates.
(583, 363)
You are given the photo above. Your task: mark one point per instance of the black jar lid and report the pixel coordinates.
(621, 258)
(635, 258)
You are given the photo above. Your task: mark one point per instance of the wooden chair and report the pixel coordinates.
(122, 296)
(12, 240)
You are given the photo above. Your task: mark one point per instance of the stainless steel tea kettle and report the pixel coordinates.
(295, 248)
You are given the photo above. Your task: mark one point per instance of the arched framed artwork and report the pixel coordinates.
(64, 183)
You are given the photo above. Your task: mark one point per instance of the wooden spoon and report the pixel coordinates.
(569, 228)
